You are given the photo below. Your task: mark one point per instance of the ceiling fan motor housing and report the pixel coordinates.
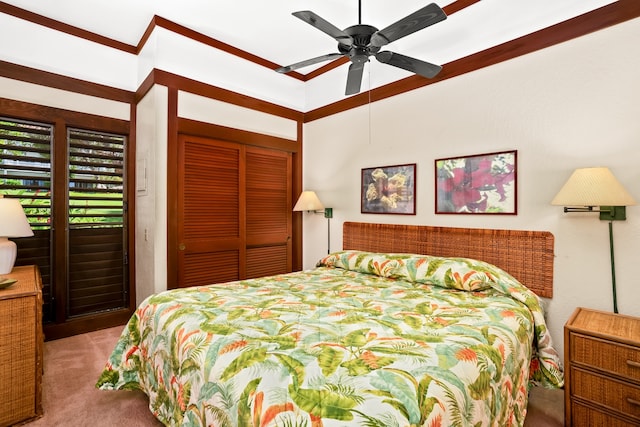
(361, 49)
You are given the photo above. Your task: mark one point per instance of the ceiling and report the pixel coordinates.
(267, 29)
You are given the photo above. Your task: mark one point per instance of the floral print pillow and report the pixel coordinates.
(455, 273)
(362, 262)
(465, 274)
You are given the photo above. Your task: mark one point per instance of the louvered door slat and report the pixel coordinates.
(211, 181)
(200, 266)
(97, 279)
(266, 261)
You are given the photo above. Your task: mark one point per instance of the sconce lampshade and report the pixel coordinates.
(308, 201)
(13, 223)
(593, 187)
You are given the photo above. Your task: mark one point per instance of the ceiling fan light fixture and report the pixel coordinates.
(359, 42)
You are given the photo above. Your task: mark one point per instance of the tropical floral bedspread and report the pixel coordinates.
(362, 340)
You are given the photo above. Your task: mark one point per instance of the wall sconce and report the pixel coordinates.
(308, 201)
(13, 223)
(591, 188)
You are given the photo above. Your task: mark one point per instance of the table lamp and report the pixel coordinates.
(13, 223)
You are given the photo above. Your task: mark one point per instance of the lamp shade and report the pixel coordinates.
(13, 221)
(593, 187)
(308, 201)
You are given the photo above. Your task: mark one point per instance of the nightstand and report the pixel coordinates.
(21, 347)
(602, 369)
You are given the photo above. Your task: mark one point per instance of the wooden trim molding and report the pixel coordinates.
(458, 5)
(172, 187)
(217, 44)
(186, 84)
(296, 189)
(28, 111)
(64, 28)
(59, 81)
(209, 130)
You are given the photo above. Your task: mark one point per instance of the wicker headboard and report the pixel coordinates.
(526, 255)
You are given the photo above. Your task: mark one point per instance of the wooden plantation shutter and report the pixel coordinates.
(97, 229)
(25, 173)
(268, 204)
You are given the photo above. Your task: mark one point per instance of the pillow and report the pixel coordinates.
(448, 272)
(455, 273)
(362, 262)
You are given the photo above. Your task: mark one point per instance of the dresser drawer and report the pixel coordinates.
(611, 357)
(607, 392)
(586, 416)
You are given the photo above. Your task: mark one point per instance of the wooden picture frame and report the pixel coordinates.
(389, 190)
(477, 184)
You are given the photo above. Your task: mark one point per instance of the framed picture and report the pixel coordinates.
(389, 190)
(479, 184)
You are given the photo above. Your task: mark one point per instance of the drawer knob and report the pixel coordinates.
(633, 401)
(633, 364)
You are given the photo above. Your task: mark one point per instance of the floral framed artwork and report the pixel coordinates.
(478, 184)
(389, 190)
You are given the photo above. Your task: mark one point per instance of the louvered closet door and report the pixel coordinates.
(268, 181)
(211, 245)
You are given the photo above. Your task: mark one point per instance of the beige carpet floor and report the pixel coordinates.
(71, 368)
(70, 399)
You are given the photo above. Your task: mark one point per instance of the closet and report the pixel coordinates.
(233, 211)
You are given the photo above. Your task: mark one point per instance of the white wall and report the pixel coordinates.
(209, 110)
(36, 46)
(57, 98)
(151, 193)
(573, 105)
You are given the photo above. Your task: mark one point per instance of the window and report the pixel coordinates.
(97, 254)
(25, 173)
(81, 210)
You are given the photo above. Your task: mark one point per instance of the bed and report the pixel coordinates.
(406, 326)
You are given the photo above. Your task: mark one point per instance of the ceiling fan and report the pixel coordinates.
(359, 42)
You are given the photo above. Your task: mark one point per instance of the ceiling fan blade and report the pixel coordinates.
(308, 62)
(354, 78)
(425, 69)
(418, 20)
(324, 26)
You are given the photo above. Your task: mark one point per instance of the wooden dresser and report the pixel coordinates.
(21, 347)
(602, 369)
